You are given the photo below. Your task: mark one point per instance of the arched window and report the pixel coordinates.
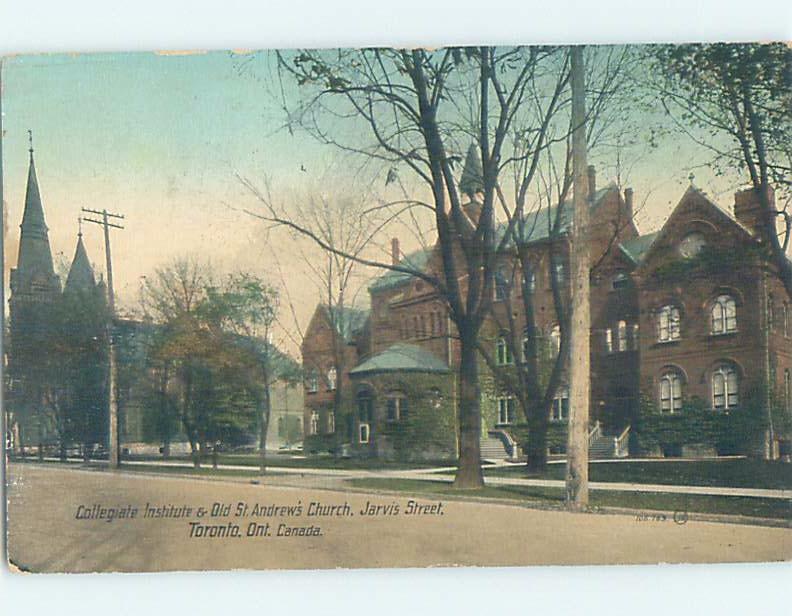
(724, 315)
(281, 427)
(670, 392)
(314, 422)
(668, 323)
(555, 338)
(636, 336)
(771, 313)
(725, 387)
(312, 382)
(505, 409)
(332, 379)
(432, 323)
(503, 354)
(622, 336)
(560, 410)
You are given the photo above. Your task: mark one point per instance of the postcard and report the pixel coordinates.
(380, 307)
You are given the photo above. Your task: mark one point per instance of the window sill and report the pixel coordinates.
(724, 334)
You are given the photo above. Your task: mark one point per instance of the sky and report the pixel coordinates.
(164, 138)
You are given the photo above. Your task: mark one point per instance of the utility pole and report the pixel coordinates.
(114, 457)
(580, 321)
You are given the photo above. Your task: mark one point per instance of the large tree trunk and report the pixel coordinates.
(580, 325)
(469, 473)
(536, 449)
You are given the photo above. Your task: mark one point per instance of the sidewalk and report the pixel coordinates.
(437, 474)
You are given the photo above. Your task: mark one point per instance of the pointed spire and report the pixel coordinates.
(35, 255)
(33, 217)
(472, 181)
(81, 275)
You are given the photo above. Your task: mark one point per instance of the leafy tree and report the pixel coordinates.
(210, 352)
(734, 100)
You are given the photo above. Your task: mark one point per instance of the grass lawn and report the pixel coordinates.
(729, 473)
(276, 460)
(733, 505)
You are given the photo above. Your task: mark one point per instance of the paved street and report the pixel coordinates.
(50, 531)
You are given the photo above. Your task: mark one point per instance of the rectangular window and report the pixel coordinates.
(609, 340)
(560, 410)
(788, 390)
(622, 336)
(363, 433)
(331, 422)
(396, 408)
(506, 410)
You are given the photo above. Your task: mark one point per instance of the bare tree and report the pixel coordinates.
(411, 103)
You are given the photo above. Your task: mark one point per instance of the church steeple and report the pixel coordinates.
(34, 272)
(472, 181)
(471, 184)
(81, 275)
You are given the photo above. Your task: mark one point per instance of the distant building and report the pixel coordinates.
(49, 404)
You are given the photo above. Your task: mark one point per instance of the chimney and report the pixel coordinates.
(395, 253)
(592, 182)
(748, 209)
(628, 202)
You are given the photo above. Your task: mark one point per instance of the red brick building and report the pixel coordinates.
(690, 340)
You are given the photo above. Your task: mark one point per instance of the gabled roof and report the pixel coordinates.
(538, 224)
(536, 229)
(348, 321)
(401, 358)
(637, 247)
(692, 191)
(416, 260)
